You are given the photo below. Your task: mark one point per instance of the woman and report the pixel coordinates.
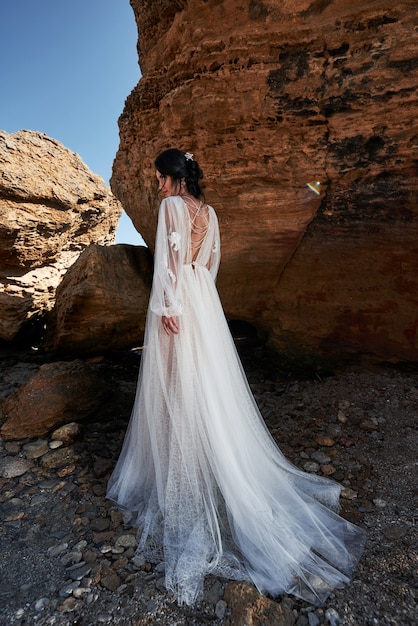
(199, 473)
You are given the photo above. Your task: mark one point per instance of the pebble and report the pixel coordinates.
(328, 469)
(325, 441)
(311, 466)
(313, 619)
(78, 571)
(35, 449)
(220, 609)
(12, 467)
(67, 434)
(56, 443)
(332, 616)
(68, 589)
(57, 550)
(41, 603)
(320, 457)
(126, 541)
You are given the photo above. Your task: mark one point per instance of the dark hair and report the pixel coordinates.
(179, 165)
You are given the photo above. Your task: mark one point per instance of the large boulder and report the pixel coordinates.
(51, 207)
(270, 95)
(102, 301)
(58, 393)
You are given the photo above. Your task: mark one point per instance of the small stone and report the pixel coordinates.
(111, 581)
(341, 417)
(120, 564)
(328, 469)
(56, 443)
(368, 426)
(332, 616)
(57, 550)
(89, 556)
(349, 494)
(71, 558)
(81, 591)
(14, 517)
(220, 609)
(67, 433)
(68, 589)
(138, 561)
(105, 549)
(14, 467)
(311, 466)
(320, 457)
(41, 603)
(68, 605)
(35, 449)
(12, 447)
(38, 499)
(126, 541)
(48, 484)
(78, 571)
(325, 441)
(379, 503)
(66, 471)
(313, 619)
(19, 613)
(55, 459)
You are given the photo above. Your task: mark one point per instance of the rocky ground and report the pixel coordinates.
(68, 558)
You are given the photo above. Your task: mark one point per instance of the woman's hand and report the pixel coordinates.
(170, 325)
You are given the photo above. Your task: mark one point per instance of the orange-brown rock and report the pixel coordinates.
(249, 607)
(51, 207)
(102, 300)
(269, 95)
(57, 393)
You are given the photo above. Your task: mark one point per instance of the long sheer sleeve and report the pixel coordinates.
(168, 258)
(215, 252)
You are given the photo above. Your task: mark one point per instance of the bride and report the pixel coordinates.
(199, 473)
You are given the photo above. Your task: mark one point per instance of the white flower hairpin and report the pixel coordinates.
(188, 156)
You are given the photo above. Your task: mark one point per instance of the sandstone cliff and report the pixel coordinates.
(268, 95)
(51, 207)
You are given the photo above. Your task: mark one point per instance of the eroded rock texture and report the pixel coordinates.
(102, 301)
(51, 207)
(269, 95)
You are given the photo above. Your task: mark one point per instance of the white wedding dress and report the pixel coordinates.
(199, 473)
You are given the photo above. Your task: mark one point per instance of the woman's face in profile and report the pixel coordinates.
(167, 186)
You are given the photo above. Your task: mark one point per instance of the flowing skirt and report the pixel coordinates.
(204, 481)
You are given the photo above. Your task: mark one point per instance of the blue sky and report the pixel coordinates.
(66, 70)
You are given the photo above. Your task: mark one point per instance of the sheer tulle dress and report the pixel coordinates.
(199, 473)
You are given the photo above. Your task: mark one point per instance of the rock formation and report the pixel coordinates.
(51, 207)
(56, 394)
(269, 95)
(102, 300)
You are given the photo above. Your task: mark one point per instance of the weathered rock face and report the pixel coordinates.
(102, 300)
(51, 207)
(269, 95)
